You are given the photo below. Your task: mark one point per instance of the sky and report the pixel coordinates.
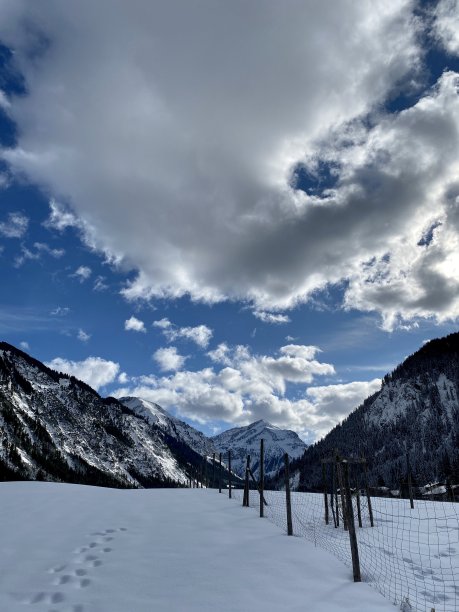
(237, 210)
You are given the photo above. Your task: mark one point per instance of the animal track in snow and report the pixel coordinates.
(76, 578)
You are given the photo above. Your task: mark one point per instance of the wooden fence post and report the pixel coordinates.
(341, 491)
(262, 477)
(287, 496)
(349, 512)
(367, 487)
(334, 497)
(410, 487)
(246, 499)
(324, 484)
(359, 510)
(229, 474)
(220, 475)
(213, 471)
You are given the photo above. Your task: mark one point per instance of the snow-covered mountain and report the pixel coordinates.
(55, 427)
(243, 441)
(416, 412)
(154, 414)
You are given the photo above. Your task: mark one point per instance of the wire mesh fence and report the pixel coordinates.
(410, 555)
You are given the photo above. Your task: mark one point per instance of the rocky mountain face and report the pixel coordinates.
(243, 441)
(413, 420)
(174, 427)
(55, 427)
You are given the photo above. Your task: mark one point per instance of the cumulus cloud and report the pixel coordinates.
(271, 317)
(15, 225)
(168, 358)
(94, 371)
(162, 323)
(333, 402)
(242, 387)
(200, 334)
(213, 132)
(446, 24)
(134, 324)
(123, 378)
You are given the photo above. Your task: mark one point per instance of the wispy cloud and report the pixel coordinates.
(35, 253)
(60, 311)
(100, 284)
(83, 336)
(82, 273)
(15, 226)
(271, 317)
(200, 334)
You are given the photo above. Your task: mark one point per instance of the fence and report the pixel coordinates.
(410, 554)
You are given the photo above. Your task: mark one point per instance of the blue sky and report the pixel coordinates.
(236, 214)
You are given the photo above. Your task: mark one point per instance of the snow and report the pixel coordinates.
(409, 553)
(70, 548)
(246, 440)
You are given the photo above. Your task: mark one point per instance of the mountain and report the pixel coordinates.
(243, 441)
(413, 418)
(174, 427)
(55, 427)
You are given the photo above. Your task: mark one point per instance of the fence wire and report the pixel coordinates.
(410, 555)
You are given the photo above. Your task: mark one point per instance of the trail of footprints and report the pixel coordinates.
(77, 573)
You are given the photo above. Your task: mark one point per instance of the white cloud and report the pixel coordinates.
(334, 402)
(169, 359)
(99, 284)
(35, 253)
(15, 226)
(42, 247)
(60, 218)
(25, 255)
(270, 317)
(94, 371)
(446, 24)
(200, 335)
(134, 324)
(162, 323)
(4, 102)
(60, 311)
(123, 378)
(218, 128)
(24, 345)
(83, 336)
(83, 273)
(244, 388)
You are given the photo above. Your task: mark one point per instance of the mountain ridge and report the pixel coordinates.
(413, 418)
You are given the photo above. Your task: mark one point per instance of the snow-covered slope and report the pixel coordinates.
(176, 428)
(243, 441)
(55, 427)
(88, 549)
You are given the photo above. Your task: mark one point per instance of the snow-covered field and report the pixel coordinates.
(409, 553)
(69, 548)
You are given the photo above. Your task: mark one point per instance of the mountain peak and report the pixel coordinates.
(243, 441)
